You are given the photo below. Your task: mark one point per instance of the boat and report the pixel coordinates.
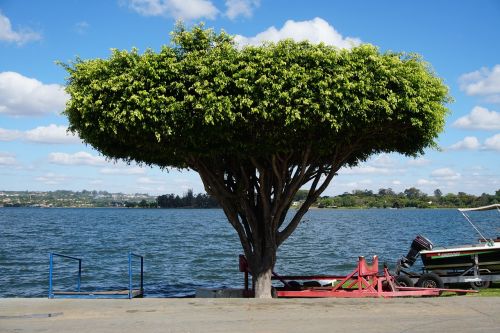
(487, 251)
(476, 263)
(488, 255)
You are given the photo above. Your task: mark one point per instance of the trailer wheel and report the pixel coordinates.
(294, 285)
(480, 285)
(311, 284)
(274, 292)
(404, 281)
(430, 280)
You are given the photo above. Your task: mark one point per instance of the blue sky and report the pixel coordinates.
(461, 39)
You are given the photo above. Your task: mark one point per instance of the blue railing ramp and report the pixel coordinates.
(77, 293)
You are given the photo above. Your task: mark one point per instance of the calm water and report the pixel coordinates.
(185, 249)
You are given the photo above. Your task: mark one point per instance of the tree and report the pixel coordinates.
(413, 193)
(384, 191)
(189, 198)
(301, 195)
(257, 123)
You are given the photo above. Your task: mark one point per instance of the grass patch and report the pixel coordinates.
(493, 291)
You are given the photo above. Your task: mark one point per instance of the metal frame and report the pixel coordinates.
(51, 269)
(130, 286)
(130, 293)
(465, 275)
(363, 281)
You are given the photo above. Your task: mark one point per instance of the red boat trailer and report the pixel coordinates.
(364, 281)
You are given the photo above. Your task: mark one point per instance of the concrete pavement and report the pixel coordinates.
(412, 315)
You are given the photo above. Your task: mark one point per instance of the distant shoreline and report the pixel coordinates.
(219, 208)
(411, 198)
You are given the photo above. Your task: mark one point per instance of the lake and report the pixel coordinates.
(189, 248)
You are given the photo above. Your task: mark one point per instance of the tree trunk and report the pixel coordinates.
(261, 265)
(256, 195)
(262, 282)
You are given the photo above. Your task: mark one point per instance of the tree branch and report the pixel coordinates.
(311, 198)
(215, 186)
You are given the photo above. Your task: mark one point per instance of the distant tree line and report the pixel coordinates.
(411, 197)
(383, 198)
(188, 200)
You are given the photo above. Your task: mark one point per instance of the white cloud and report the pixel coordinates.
(383, 160)
(316, 30)
(468, 143)
(20, 37)
(479, 119)
(472, 143)
(81, 27)
(178, 183)
(7, 159)
(236, 8)
(396, 182)
(483, 82)
(493, 143)
(149, 181)
(180, 9)
(367, 169)
(52, 134)
(52, 179)
(80, 158)
(425, 182)
(418, 162)
(381, 164)
(23, 96)
(9, 135)
(359, 184)
(122, 171)
(478, 168)
(445, 174)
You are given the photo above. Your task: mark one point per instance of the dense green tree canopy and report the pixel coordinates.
(205, 96)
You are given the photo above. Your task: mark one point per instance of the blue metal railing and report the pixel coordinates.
(51, 269)
(130, 286)
(78, 284)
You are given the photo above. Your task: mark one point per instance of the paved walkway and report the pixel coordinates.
(446, 314)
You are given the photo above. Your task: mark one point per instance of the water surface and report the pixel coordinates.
(189, 248)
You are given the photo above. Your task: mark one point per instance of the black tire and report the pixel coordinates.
(404, 281)
(480, 285)
(294, 285)
(311, 284)
(274, 292)
(430, 280)
(386, 286)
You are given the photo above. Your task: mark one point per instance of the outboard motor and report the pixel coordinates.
(419, 243)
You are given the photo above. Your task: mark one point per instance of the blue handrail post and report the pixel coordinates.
(79, 274)
(142, 275)
(130, 275)
(50, 275)
(130, 285)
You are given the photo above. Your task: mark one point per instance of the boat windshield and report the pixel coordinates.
(464, 212)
